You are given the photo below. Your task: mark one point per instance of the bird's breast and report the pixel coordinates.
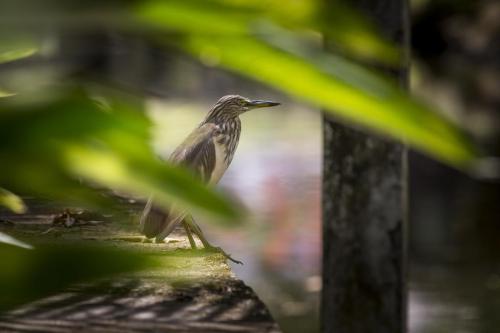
(225, 143)
(221, 160)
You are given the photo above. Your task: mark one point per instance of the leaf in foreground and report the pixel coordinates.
(227, 37)
(16, 54)
(51, 148)
(12, 201)
(383, 107)
(7, 239)
(352, 32)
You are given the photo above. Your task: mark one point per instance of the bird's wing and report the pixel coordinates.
(197, 152)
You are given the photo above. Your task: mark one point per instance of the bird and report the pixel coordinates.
(207, 151)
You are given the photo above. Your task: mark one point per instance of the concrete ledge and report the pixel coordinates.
(197, 293)
(139, 305)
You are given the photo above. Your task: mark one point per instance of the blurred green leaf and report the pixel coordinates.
(202, 17)
(235, 34)
(12, 201)
(335, 84)
(344, 92)
(7, 239)
(16, 54)
(29, 275)
(48, 148)
(351, 32)
(5, 93)
(348, 29)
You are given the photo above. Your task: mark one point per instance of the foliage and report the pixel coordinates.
(51, 146)
(7, 239)
(16, 54)
(12, 201)
(289, 60)
(273, 42)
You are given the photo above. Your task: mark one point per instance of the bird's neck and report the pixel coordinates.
(226, 122)
(230, 129)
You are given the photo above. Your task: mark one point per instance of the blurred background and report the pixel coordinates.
(276, 173)
(455, 220)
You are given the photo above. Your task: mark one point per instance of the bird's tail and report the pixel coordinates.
(158, 222)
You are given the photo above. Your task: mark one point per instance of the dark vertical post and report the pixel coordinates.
(364, 213)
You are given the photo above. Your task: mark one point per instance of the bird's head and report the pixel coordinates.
(234, 105)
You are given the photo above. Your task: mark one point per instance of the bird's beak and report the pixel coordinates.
(262, 104)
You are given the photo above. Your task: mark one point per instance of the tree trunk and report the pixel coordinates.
(364, 213)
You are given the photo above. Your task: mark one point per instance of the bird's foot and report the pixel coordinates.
(221, 251)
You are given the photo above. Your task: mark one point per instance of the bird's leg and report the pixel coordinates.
(197, 231)
(189, 234)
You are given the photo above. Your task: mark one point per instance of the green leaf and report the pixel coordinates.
(50, 148)
(234, 35)
(16, 54)
(5, 93)
(12, 201)
(349, 92)
(340, 87)
(167, 183)
(7, 239)
(201, 17)
(351, 32)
